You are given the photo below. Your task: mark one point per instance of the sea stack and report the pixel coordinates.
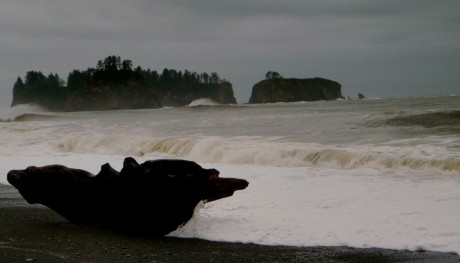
(292, 90)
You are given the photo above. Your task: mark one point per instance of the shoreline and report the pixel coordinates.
(33, 233)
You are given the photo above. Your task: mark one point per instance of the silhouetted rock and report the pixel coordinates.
(361, 96)
(155, 197)
(291, 90)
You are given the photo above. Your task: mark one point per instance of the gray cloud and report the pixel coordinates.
(379, 48)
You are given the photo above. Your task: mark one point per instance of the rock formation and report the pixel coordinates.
(132, 94)
(291, 90)
(155, 197)
(361, 96)
(221, 93)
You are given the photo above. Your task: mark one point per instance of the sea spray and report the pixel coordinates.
(13, 113)
(203, 102)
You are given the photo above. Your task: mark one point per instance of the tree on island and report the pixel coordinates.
(114, 63)
(273, 75)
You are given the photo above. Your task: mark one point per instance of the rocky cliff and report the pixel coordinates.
(291, 90)
(133, 94)
(223, 94)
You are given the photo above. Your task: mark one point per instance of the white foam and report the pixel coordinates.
(308, 207)
(203, 102)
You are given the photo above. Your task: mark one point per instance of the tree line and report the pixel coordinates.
(53, 89)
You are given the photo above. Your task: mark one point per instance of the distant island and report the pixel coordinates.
(114, 84)
(275, 88)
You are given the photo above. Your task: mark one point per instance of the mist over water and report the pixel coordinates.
(319, 169)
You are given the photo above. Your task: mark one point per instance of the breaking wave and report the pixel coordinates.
(428, 120)
(23, 112)
(203, 102)
(443, 121)
(260, 151)
(35, 117)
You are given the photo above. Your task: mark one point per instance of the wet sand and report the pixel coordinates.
(33, 233)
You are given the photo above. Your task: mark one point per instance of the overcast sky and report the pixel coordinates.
(393, 48)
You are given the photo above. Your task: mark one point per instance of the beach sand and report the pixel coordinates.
(33, 233)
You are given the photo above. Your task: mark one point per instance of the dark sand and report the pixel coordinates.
(37, 234)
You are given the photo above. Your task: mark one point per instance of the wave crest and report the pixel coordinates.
(20, 112)
(258, 151)
(203, 102)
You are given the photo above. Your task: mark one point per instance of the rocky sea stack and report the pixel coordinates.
(292, 90)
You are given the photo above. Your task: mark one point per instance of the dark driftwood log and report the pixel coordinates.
(155, 197)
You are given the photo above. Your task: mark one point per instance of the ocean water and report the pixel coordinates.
(362, 173)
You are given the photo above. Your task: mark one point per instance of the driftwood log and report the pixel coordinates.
(154, 197)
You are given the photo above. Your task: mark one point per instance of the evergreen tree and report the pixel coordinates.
(273, 75)
(112, 63)
(276, 75)
(166, 76)
(127, 65)
(18, 87)
(78, 79)
(34, 77)
(214, 78)
(205, 77)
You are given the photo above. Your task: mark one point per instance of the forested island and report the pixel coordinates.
(115, 84)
